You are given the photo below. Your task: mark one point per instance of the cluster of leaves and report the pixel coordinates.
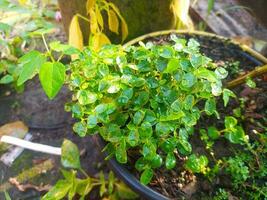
(148, 97)
(14, 42)
(72, 186)
(248, 169)
(51, 72)
(98, 38)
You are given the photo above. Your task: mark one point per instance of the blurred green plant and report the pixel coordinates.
(71, 186)
(33, 19)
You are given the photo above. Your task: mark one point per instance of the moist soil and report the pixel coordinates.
(180, 183)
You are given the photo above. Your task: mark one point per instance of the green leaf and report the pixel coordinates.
(204, 73)
(236, 136)
(59, 191)
(91, 121)
(230, 122)
(176, 105)
(146, 176)
(121, 154)
(189, 102)
(213, 132)
(145, 130)
(250, 83)
(170, 161)
(226, 94)
(86, 97)
(149, 150)
(173, 65)
(140, 164)
(196, 164)
(31, 63)
(138, 117)
(196, 60)
(210, 106)
(7, 197)
(142, 99)
(216, 88)
(169, 145)
(102, 181)
(111, 181)
(163, 128)
(156, 162)
(77, 111)
(6, 79)
(125, 193)
(80, 128)
(183, 146)
(64, 48)
(221, 72)
(166, 52)
(83, 186)
(70, 155)
(188, 80)
(133, 138)
(52, 77)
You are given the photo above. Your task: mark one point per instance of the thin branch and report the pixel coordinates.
(256, 72)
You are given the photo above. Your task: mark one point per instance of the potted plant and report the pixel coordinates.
(163, 110)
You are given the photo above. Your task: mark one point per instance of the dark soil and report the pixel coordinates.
(180, 183)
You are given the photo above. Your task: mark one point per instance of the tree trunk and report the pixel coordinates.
(142, 16)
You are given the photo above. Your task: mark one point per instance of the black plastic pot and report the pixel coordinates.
(120, 170)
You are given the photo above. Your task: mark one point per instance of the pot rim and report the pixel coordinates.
(119, 169)
(203, 33)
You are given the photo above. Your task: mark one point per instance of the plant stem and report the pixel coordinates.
(84, 173)
(47, 49)
(254, 73)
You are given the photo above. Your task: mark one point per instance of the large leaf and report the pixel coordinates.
(52, 77)
(90, 4)
(113, 22)
(70, 156)
(75, 33)
(31, 63)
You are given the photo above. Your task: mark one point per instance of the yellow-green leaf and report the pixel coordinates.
(99, 40)
(93, 22)
(180, 9)
(99, 17)
(124, 29)
(75, 33)
(90, 5)
(113, 22)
